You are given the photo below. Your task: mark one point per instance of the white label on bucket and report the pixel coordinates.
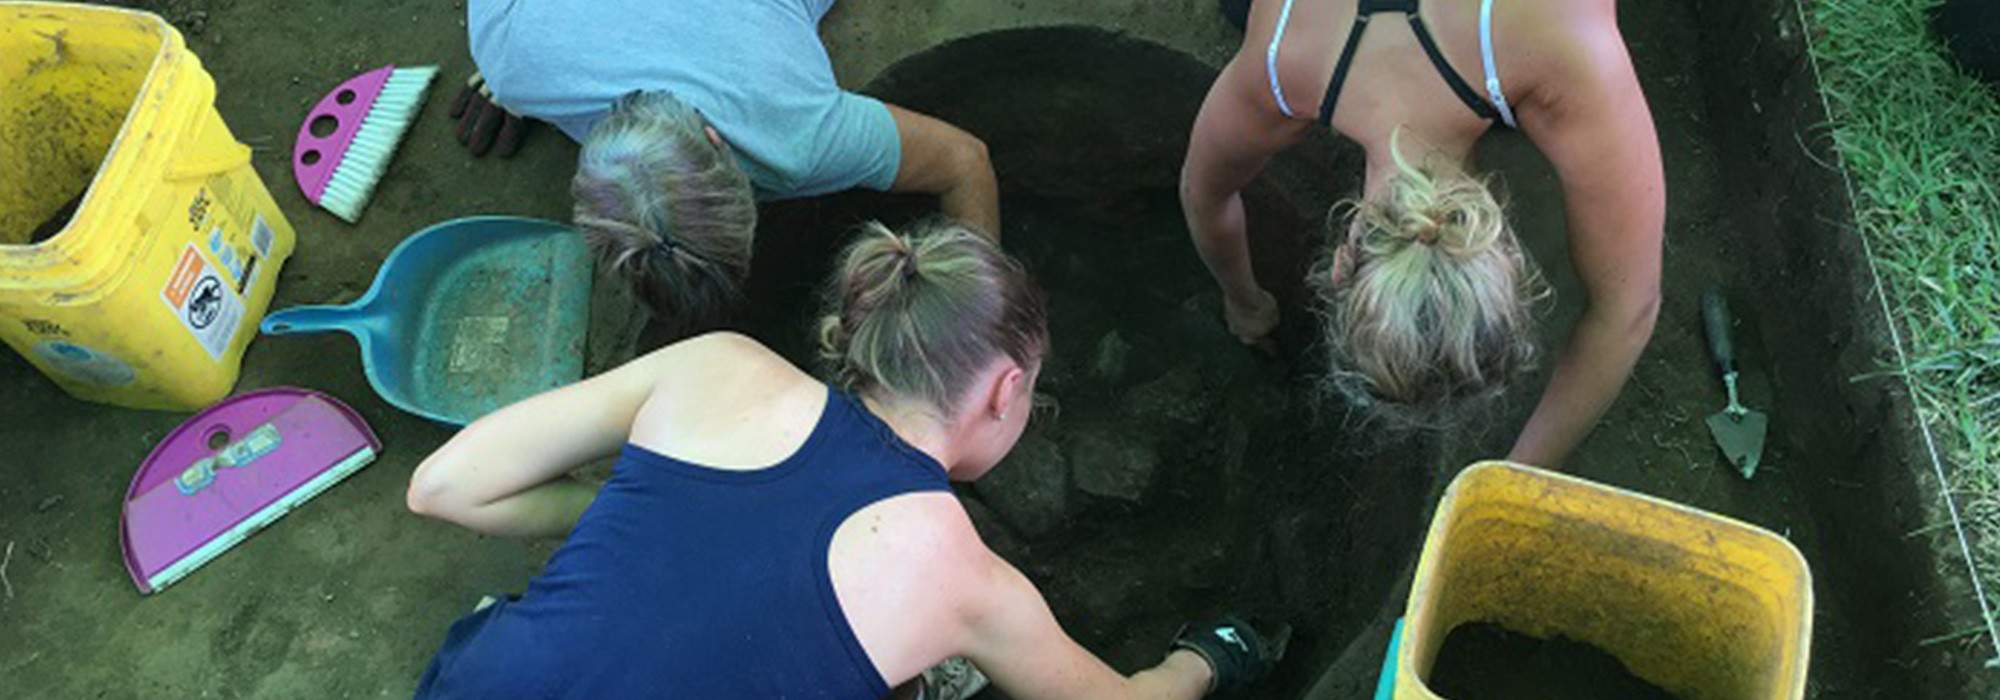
(261, 237)
(83, 364)
(227, 255)
(478, 343)
(206, 305)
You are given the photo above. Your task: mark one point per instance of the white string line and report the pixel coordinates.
(1902, 357)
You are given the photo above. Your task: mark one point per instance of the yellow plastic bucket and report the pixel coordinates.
(1699, 605)
(148, 296)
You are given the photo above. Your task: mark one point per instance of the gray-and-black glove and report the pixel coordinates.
(1238, 653)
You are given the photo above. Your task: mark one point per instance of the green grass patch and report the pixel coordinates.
(1922, 142)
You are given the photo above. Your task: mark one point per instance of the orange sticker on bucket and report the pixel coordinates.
(183, 279)
(210, 309)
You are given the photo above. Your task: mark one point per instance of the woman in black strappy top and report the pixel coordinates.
(1427, 292)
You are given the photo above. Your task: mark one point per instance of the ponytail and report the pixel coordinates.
(1428, 300)
(667, 211)
(919, 314)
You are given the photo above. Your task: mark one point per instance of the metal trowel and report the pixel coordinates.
(1737, 430)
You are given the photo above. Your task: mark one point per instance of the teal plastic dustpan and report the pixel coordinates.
(467, 316)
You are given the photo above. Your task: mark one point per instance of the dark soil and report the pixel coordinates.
(1180, 474)
(1482, 661)
(1315, 520)
(56, 222)
(1885, 576)
(1257, 496)
(1970, 29)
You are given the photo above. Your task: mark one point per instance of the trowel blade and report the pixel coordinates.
(1741, 438)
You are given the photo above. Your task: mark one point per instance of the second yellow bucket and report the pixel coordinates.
(1704, 607)
(146, 295)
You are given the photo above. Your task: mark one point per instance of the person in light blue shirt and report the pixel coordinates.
(723, 103)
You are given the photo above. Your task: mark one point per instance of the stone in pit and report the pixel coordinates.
(1030, 488)
(1112, 351)
(1179, 397)
(991, 530)
(1113, 464)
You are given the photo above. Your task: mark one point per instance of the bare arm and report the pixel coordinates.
(1599, 135)
(1015, 640)
(1235, 135)
(944, 160)
(506, 474)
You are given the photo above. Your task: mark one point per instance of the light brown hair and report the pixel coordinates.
(667, 210)
(918, 314)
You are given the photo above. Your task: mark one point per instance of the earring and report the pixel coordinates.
(1003, 415)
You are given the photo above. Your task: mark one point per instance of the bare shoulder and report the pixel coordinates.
(1561, 48)
(723, 360)
(1564, 32)
(913, 557)
(936, 526)
(990, 586)
(936, 529)
(723, 379)
(1555, 15)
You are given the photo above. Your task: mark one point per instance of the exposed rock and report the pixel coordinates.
(1111, 588)
(992, 531)
(1179, 397)
(1113, 464)
(1030, 488)
(1205, 567)
(1056, 374)
(1200, 331)
(1299, 540)
(1112, 353)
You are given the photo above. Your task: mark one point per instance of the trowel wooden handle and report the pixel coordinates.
(1715, 320)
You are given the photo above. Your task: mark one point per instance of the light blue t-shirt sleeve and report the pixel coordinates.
(755, 69)
(857, 147)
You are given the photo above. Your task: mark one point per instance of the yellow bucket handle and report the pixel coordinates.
(237, 156)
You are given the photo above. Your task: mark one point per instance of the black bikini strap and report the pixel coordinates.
(1369, 7)
(1340, 69)
(1465, 92)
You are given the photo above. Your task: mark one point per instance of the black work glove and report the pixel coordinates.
(483, 124)
(1238, 653)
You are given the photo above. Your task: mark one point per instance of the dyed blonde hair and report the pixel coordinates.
(1428, 298)
(667, 210)
(918, 314)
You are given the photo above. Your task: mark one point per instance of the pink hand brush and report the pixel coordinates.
(349, 137)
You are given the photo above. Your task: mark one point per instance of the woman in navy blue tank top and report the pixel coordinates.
(765, 535)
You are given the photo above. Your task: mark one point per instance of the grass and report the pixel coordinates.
(1921, 141)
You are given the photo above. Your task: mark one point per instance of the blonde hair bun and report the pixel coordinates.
(918, 313)
(1430, 303)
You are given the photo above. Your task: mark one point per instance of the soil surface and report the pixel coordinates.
(1179, 475)
(1488, 662)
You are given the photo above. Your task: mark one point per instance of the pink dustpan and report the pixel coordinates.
(229, 471)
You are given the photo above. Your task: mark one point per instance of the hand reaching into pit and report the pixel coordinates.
(1252, 325)
(1237, 653)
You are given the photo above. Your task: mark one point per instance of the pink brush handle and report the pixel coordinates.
(347, 105)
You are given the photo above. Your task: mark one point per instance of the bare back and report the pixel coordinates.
(1391, 82)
